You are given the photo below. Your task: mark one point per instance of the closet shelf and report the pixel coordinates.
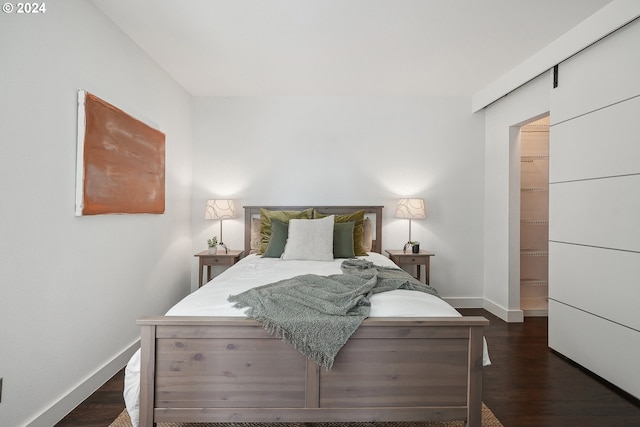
(535, 128)
(534, 221)
(533, 189)
(534, 282)
(531, 159)
(533, 252)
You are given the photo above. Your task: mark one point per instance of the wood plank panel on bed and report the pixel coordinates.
(319, 415)
(397, 373)
(213, 372)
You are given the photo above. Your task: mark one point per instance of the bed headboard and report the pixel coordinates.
(254, 211)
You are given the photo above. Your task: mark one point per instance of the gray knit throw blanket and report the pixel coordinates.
(318, 314)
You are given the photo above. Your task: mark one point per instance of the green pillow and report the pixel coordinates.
(358, 229)
(283, 216)
(279, 234)
(343, 239)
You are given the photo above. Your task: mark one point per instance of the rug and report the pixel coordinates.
(488, 420)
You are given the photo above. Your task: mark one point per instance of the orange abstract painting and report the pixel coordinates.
(122, 160)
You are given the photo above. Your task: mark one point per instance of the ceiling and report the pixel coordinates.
(342, 47)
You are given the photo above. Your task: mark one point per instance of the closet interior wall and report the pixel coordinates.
(534, 218)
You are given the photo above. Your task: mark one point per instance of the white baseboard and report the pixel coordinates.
(457, 302)
(514, 316)
(510, 316)
(86, 388)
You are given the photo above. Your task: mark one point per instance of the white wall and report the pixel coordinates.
(351, 150)
(502, 194)
(72, 287)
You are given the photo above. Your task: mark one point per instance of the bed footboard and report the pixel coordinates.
(205, 369)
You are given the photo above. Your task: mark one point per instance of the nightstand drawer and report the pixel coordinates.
(218, 260)
(413, 259)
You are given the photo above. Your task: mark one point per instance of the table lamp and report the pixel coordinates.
(220, 209)
(410, 209)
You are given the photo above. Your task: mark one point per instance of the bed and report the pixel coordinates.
(205, 361)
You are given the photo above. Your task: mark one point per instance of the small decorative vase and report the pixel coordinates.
(415, 249)
(213, 250)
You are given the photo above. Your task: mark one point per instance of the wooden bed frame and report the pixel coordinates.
(225, 369)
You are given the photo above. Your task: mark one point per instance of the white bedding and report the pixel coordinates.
(254, 270)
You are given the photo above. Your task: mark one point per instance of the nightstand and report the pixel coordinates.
(409, 258)
(221, 258)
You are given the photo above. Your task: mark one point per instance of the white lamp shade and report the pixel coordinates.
(411, 209)
(220, 209)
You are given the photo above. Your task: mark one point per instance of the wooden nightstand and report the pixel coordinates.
(408, 258)
(221, 258)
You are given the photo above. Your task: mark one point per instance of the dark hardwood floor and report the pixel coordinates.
(527, 386)
(99, 409)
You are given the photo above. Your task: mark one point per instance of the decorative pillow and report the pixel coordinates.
(358, 231)
(310, 239)
(343, 239)
(367, 235)
(283, 216)
(255, 235)
(279, 234)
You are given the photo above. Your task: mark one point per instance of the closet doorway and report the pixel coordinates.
(534, 218)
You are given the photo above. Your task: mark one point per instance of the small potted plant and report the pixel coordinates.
(415, 247)
(213, 245)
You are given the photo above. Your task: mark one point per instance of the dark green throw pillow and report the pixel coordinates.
(358, 229)
(279, 235)
(343, 239)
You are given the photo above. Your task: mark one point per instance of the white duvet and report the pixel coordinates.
(254, 270)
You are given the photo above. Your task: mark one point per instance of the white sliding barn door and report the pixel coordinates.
(594, 209)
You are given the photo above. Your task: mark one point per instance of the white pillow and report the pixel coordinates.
(310, 239)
